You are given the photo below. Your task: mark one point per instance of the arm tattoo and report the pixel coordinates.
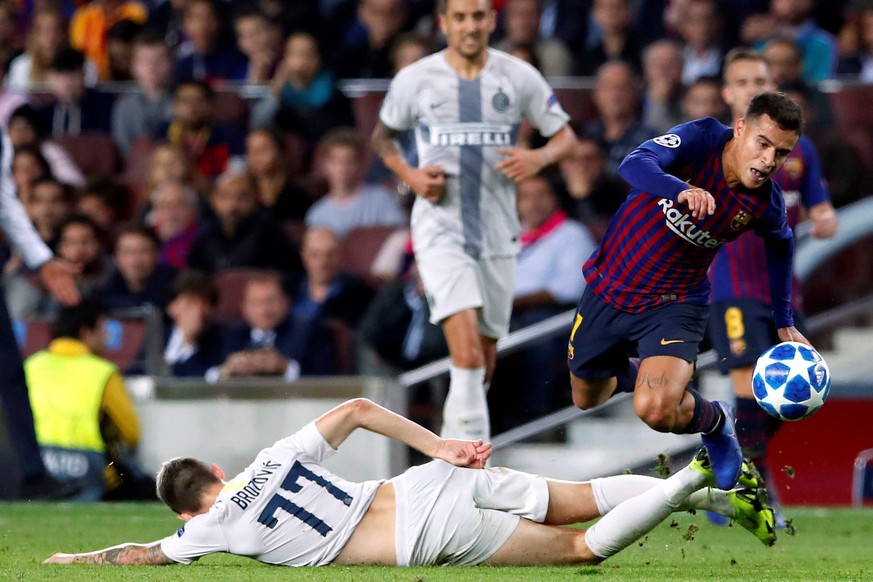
(383, 140)
(126, 555)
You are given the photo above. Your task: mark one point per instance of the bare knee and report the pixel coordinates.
(588, 394)
(657, 413)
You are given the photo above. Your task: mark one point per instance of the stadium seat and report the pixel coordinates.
(361, 246)
(341, 335)
(94, 153)
(851, 106)
(366, 107)
(862, 478)
(231, 284)
(125, 342)
(136, 172)
(578, 104)
(32, 335)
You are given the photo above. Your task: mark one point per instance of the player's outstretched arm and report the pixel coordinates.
(121, 555)
(428, 182)
(337, 424)
(790, 334)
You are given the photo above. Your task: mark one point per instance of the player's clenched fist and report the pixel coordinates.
(428, 182)
(699, 202)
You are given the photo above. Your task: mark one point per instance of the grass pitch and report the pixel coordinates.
(830, 544)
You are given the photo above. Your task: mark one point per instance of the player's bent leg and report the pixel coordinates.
(534, 544)
(660, 397)
(591, 392)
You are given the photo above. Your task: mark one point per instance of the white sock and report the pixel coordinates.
(465, 413)
(714, 500)
(636, 516)
(609, 492)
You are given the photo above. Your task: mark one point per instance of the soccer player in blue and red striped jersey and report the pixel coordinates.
(741, 323)
(694, 189)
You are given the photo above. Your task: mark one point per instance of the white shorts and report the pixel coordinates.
(454, 281)
(456, 516)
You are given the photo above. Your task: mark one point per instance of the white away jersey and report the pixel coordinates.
(460, 125)
(285, 508)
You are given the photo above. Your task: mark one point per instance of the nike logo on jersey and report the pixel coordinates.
(684, 226)
(435, 105)
(666, 342)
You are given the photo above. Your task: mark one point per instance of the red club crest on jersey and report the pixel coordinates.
(740, 220)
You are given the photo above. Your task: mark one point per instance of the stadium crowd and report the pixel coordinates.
(201, 158)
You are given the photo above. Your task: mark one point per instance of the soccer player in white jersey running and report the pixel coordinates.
(287, 509)
(466, 104)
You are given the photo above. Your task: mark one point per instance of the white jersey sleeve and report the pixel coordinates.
(397, 110)
(539, 104)
(199, 537)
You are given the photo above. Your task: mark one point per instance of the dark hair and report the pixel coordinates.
(275, 136)
(342, 137)
(443, 5)
(197, 283)
(206, 88)
(68, 60)
(80, 219)
(66, 191)
(72, 320)
(36, 153)
(781, 109)
(125, 30)
(150, 37)
(31, 116)
(181, 483)
(137, 229)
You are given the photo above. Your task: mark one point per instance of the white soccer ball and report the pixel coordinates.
(791, 381)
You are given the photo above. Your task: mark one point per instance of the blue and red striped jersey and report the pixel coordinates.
(654, 252)
(738, 267)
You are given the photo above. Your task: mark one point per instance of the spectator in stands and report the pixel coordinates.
(382, 21)
(304, 98)
(271, 342)
(28, 165)
(9, 45)
(168, 163)
(698, 27)
(856, 50)
(703, 99)
(560, 19)
(617, 40)
(793, 19)
(103, 200)
(619, 124)
(119, 49)
(786, 64)
(397, 327)
(349, 202)
(174, 218)
(260, 40)
(75, 108)
(594, 194)
(79, 244)
(326, 292)
(166, 19)
(521, 20)
(90, 25)
(86, 424)
(241, 233)
(269, 170)
(47, 204)
(407, 49)
(27, 128)
(204, 57)
(662, 69)
(546, 284)
(139, 113)
(194, 341)
(48, 35)
(138, 277)
(208, 144)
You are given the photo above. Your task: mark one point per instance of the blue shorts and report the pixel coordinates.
(603, 337)
(741, 330)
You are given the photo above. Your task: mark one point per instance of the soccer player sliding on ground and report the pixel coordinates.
(287, 509)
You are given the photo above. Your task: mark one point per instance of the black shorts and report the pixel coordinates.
(741, 330)
(603, 337)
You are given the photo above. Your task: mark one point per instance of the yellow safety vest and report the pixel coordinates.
(66, 392)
